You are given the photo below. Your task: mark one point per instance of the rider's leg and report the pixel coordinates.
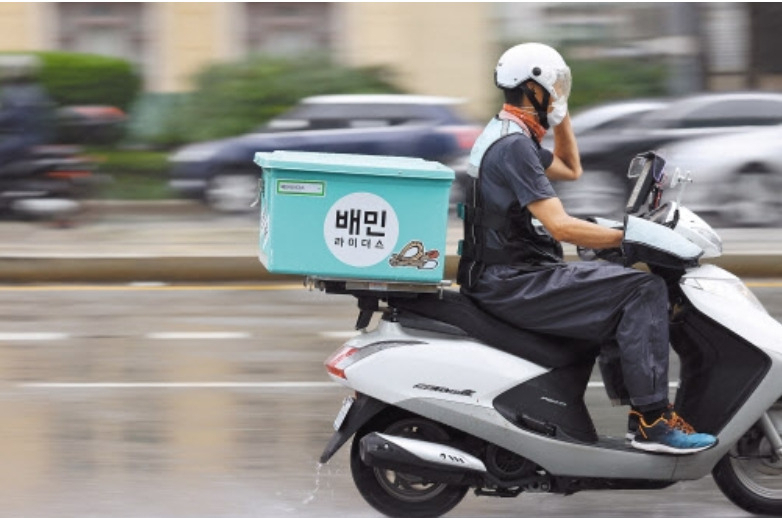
(602, 301)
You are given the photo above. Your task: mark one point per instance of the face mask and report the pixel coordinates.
(557, 115)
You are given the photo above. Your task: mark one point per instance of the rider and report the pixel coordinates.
(24, 108)
(512, 263)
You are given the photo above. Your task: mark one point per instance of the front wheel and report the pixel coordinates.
(399, 494)
(750, 475)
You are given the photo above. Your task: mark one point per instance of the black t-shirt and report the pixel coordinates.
(517, 166)
(513, 176)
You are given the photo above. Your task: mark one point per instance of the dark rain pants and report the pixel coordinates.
(597, 301)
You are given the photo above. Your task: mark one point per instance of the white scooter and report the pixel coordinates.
(448, 398)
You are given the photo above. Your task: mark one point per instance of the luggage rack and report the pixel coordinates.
(370, 292)
(350, 286)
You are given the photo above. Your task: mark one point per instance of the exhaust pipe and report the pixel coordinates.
(432, 461)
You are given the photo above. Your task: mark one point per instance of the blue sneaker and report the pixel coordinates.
(671, 434)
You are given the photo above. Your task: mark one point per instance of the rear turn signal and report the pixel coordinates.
(339, 361)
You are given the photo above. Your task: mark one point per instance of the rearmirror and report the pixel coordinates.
(637, 166)
(646, 169)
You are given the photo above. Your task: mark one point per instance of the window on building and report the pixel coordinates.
(107, 28)
(289, 29)
(766, 37)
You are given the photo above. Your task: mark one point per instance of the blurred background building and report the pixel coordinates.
(431, 48)
(133, 77)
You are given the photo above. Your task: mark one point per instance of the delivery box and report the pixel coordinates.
(338, 216)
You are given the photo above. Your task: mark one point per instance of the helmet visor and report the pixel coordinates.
(562, 83)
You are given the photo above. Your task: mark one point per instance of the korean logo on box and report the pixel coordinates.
(361, 229)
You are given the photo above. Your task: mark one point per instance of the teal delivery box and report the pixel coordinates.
(338, 216)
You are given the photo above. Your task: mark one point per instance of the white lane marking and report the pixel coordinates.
(32, 337)
(219, 335)
(290, 385)
(339, 334)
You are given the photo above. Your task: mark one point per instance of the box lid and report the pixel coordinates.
(375, 165)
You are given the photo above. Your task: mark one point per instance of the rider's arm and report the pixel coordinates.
(567, 162)
(568, 229)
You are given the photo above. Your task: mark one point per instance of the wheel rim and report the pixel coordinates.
(757, 467)
(752, 200)
(405, 487)
(232, 192)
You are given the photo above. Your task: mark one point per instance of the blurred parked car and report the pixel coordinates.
(612, 116)
(588, 197)
(605, 155)
(223, 174)
(736, 179)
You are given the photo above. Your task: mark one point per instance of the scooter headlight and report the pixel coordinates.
(732, 290)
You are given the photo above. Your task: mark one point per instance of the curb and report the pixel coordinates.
(134, 269)
(120, 269)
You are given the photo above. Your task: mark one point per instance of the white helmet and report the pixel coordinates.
(545, 66)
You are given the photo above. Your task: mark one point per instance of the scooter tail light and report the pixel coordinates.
(340, 360)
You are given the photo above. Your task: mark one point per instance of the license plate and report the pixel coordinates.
(343, 412)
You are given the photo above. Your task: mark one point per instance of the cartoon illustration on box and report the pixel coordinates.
(414, 254)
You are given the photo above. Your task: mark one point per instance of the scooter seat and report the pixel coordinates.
(459, 311)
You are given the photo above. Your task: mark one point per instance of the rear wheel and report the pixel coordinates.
(399, 494)
(750, 475)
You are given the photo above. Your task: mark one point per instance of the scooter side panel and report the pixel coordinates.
(460, 393)
(757, 329)
(557, 457)
(466, 372)
(755, 326)
(692, 467)
(719, 370)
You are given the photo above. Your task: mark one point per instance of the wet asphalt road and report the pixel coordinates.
(212, 401)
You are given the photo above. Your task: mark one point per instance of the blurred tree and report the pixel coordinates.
(72, 79)
(158, 120)
(233, 98)
(605, 80)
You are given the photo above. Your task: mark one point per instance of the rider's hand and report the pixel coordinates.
(613, 255)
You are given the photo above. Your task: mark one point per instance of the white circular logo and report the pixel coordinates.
(361, 229)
